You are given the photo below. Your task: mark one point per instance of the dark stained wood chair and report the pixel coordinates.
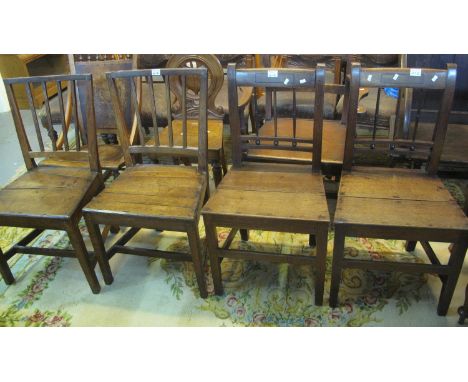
(154, 196)
(463, 310)
(110, 152)
(399, 203)
(333, 135)
(51, 197)
(271, 196)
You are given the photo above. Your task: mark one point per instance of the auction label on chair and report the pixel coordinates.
(272, 73)
(156, 72)
(415, 72)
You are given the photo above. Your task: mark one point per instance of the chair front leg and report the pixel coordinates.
(81, 252)
(455, 263)
(5, 270)
(217, 172)
(338, 254)
(99, 250)
(320, 264)
(215, 263)
(195, 249)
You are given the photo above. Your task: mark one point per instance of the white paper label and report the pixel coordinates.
(303, 81)
(286, 81)
(434, 79)
(395, 77)
(369, 77)
(156, 72)
(273, 73)
(415, 72)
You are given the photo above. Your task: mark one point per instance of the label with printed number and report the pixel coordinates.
(415, 72)
(272, 73)
(156, 72)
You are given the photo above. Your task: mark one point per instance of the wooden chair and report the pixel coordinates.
(271, 196)
(333, 135)
(154, 196)
(110, 152)
(51, 197)
(463, 310)
(399, 203)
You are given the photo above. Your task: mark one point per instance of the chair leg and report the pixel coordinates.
(82, 254)
(223, 161)
(217, 172)
(312, 241)
(115, 229)
(338, 254)
(195, 249)
(100, 251)
(320, 265)
(215, 263)
(410, 246)
(455, 263)
(244, 234)
(5, 270)
(463, 310)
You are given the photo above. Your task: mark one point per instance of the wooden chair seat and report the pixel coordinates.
(334, 135)
(47, 192)
(110, 157)
(271, 191)
(397, 197)
(152, 191)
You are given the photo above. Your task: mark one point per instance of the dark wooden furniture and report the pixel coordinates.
(463, 310)
(154, 196)
(50, 197)
(271, 196)
(334, 131)
(399, 203)
(110, 152)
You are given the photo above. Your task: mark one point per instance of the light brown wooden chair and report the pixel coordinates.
(271, 196)
(154, 196)
(51, 197)
(399, 203)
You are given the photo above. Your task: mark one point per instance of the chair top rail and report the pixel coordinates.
(404, 77)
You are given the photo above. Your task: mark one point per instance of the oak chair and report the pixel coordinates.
(334, 131)
(110, 152)
(271, 196)
(399, 204)
(164, 197)
(51, 197)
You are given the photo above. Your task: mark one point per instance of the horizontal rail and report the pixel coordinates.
(58, 77)
(265, 256)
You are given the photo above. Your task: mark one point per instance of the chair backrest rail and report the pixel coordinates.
(406, 79)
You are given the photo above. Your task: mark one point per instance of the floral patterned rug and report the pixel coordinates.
(152, 292)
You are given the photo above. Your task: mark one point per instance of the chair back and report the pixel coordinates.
(98, 65)
(84, 132)
(410, 146)
(148, 144)
(274, 80)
